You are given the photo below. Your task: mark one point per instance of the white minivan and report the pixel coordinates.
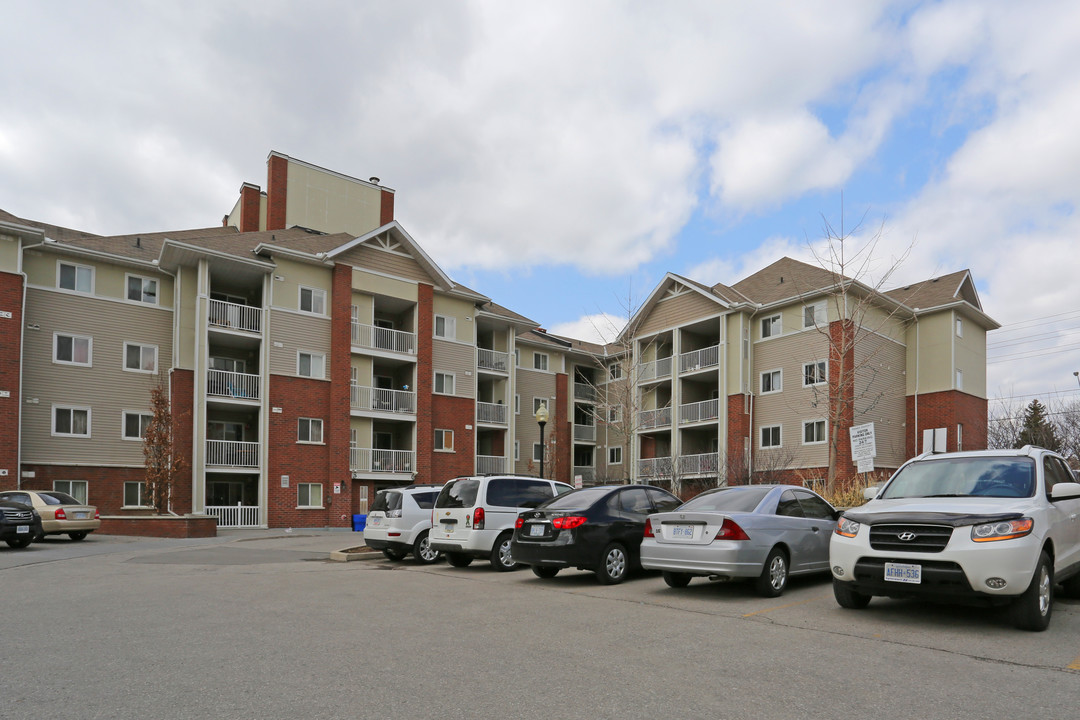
(474, 516)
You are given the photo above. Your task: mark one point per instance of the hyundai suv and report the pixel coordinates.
(399, 522)
(20, 524)
(474, 516)
(994, 526)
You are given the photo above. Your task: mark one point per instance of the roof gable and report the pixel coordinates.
(391, 249)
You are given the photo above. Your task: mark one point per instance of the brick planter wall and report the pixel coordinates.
(162, 526)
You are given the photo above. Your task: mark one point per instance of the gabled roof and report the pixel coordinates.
(938, 291)
(673, 284)
(394, 238)
(786, 278)
(493, 308)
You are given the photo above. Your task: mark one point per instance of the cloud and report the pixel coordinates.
(599, 328)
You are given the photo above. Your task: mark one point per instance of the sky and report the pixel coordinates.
(561, 157)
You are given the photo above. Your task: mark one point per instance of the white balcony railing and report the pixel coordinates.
(699, 359)
(235, 316)
(706, 464)
(586, 472)
(655, 370)
(377, 338)
(699, 411)
(493, 413)
(235, 516)
(381, 461)
(232, 453)
(490, 464)
(585, 432)
(382, 400)
(223, 383)
(492, 360)
(649, 419)
(584, 391)
(659, 467)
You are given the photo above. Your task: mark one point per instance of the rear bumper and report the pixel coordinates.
(11, 531)
(728, 562)
(60, 527)
(386, 544)
(551, 555)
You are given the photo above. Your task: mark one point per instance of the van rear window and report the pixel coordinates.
(460, 493)
(386, 500)
(518, 492)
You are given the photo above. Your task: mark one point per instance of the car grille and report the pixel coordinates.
(923, 538)
(18, 516)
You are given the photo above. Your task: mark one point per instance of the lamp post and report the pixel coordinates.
(1076, 374)
(541, 420)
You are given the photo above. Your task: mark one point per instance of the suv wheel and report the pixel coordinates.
(459, 560)
(774, 575)
(541, 571)
(422, 550)
(1031, 611)
(394, 554)
(77, 536)
(501, 559)
(848, 598)
(19, 543)
(613, 565)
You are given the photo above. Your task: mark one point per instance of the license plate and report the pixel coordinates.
(22, 529)
(373, 522)
(448, 528)
(681, 532)
(904, 573)
(80, 515)
(536, 530)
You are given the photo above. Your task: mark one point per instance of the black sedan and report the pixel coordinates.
(596, 528)
(19, 524)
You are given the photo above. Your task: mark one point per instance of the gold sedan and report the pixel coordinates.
(60, 513)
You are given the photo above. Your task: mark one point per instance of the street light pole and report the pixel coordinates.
(1076, 374)
(541, 420)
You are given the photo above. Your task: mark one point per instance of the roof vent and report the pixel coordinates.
(373, 180)
(781, 279)
(138, 242)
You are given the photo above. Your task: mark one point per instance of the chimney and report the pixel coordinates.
(386, 206)
(249, 208)
(277, 180)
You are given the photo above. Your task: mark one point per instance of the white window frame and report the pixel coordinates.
(71, 409)
(128, 277)
(517, 357)
(612, 452)
(517, 404)
(445, 375)
(815, 364)
(537, 455)
(318, 297)
(536, 361)
(959, 437)
(311, 424)
(440, 440)
(818, 309)
(449, 327)
(824, 432)
(142, 347)
(142, 493)
(614, 414)
(959, 327)
(89, 349)
(123, 424)
(89, 268)
(779, 385)
(959, 379)
(761, 437)
(69, 487)
(775, 325)
(615, 371)
(517, 450)
(308, 487)
(542, 400)
(311, 362)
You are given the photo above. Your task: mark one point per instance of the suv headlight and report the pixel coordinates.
(847, 528)
(1004, 530)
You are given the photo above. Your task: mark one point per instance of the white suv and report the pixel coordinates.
(994, 526)
(474, 516)
(399, 521)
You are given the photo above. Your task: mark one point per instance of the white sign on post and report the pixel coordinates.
(863, 443)
(866, 465)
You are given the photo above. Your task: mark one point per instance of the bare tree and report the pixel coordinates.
(1004, 420)
(162, 462)
(1067, 421)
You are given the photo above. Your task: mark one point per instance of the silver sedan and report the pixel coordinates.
(761, 532)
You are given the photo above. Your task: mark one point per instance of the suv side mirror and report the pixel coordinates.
(871, 492)
(1065, 490)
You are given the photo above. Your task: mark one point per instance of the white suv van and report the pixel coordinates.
(994, 526)
(474, 516)
(399, 520)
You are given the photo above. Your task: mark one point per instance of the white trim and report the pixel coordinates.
(819, 306)
(311, 425)
(547, 361)
(103, 298)
(313, 355)
(761, 382)
(123, 358)
(123, 423)
(62, 406)
(823, 381)
(89, 349)
(142, 491)
(315, 292)
(440, 433)
(453, 381)
(779, 318)
(535, 446)
(449, 327)
(763, 428)
(75, 290)
(309, 507)
(824, 432)
(611, 449)
(144, 278)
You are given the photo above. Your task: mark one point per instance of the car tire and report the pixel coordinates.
(545, 572)
(774, 574)
(422, 551)
(393, 554)
(1032, 610)
(614, 565)
(19, 543)
(848, 598)
(77, 536)
(459, 560)
(501, 559)
(676, 579)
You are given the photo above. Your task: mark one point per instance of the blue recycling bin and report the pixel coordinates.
(358, 522)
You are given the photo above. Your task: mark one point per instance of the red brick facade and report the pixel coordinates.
(948, 410)
(277, 180)
(104, 485)
(386, 206)
(249, 207)
(450, 413)
(841, 392)
(165, 526)
(563, 433)
(181, 405)
(303, 463)
(339, 417)
(425, 379)
(11, 299)
(739, 433)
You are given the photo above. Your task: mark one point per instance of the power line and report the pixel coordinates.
(1031, 354)
(1064, 332)
(1033, 321)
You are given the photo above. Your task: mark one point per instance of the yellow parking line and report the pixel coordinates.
(783, 607)
(1075, 664)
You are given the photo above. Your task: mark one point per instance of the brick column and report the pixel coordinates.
(563, 428)
(340, 419)
(277, 181)
(425, 430)
(386, 206)
(738, 431)
(11, 301)
(249, 207)
(842, 391)
(182, 406)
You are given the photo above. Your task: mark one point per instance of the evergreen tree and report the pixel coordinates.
(1037, 429)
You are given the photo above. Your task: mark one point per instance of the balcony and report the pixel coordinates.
(492, 360)
(585, 433)
(699, 411)
(650, 419)
(232, 453)
(234, 316)
(699, 359)
(659, 467)
(377, 338)
(707, 464)
(655, 370)
(584, 391)
(225, 384)
(381, 461)
(490, 464)
(382, 400)
(491, 413)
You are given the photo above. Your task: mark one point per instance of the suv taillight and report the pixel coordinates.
(648, 528)
(60, 514)
(478, 519)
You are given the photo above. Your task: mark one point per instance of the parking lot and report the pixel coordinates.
(263, 625)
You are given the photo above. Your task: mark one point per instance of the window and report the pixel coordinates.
(813, 506)
(517, 357)
(444, 440)
(959, 379)
(312, 301)
(79, 278)
(615, 371)
(310, 364)
(517, 450)
(813, 432)
(445, 327)
(309, 430)
(135, 424)
(788, 505)
(74, 421)
(517, 404)
(142, 289)
(540, 361)
(772, 381)
(537, 402)
(75, 488)
(309, 495)
(770, 326)
(134, 494)
(614, 415)
(814, 373)
(770, 436)
(813, 315)
(538, 452)
(959, 327)
(959, 437)
(444, 383)
(72, 349)
(140, 358)
(614, 456)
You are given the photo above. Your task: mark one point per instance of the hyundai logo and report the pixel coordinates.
(906, 536)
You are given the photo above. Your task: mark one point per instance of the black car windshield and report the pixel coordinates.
(964, 477)
(577, 499)
(460, 493)
(386, 500)
(736, 499)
